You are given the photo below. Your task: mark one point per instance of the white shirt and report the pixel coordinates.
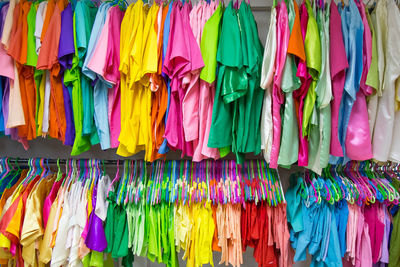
(267, 76)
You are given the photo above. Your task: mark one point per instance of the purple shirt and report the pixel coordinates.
(66, 52)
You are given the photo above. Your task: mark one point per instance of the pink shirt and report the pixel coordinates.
(183, 57)
(301, 93)
(112, 74)
(97, 62)
(49, 201)
(6, 64)
(338, 66)
(283, 33)
(358, 136)
(196, 105)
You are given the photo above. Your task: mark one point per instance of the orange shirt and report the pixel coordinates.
(18, 50)
(48, 59)
(159, 98)
(296, 44)
(49, 13)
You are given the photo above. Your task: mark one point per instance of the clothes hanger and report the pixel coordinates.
(369, 190)
(116, 178)
(122, 183)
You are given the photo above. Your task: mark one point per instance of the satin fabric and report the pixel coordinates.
(267, 74)
(384, 124)
(277, 96)
(289, 147)
(312, 44)
(300, 93)
(373, 74)
(324, 95)
(393, 72)
(358, 138)
(338, 66)
(352, 28)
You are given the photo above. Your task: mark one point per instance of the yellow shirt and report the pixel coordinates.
(45, 248)
(39, 123)
(128, 33)
(32, 230)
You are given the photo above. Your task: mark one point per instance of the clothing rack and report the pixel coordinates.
(25, 161)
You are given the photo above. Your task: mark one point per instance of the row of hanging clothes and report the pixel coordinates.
(77, 216)
(348, 216)
(330, 73)
(134, 78)
(84, 74)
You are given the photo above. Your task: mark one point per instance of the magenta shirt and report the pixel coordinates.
(112, 74)
(301, 93)
(183, 57)
(338, 66)
(358, 136)
(282, 34)
(49, 201)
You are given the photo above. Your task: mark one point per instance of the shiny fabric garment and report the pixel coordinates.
(289, 147)
(373, 73)
(358, 138)
(384, 123)
(300, 93)
(248, 127)
(312, 46)
(283, 33)
(393, 73)
(267, 75)
(352, 28)
(338, 66)
(320, 151)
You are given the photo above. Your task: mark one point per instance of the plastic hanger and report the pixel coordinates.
(116, 178)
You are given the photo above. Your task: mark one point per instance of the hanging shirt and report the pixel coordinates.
(352, 28)
(391, 80)
(300, 93)
(338, 66)
(373, 73)
(47, 59)
(191, 61)
(289, 147)
(85, 12)
(112, 74)
(267, 72)
(320, 156)
(66, 51)
(209, 46)
(358, 138)
(97, 65)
